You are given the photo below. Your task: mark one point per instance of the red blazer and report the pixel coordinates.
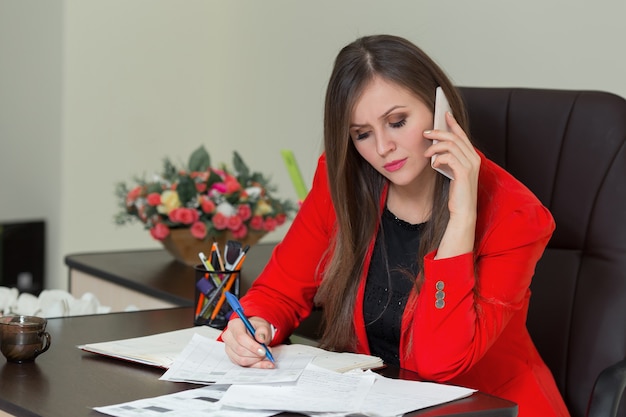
(479, 338)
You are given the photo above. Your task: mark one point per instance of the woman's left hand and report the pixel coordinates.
(455, 150)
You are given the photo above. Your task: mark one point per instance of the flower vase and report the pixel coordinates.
(184, 247)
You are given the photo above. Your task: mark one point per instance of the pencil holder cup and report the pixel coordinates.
(211, 308)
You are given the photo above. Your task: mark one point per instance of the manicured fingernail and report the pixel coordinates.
(428, 132)
(261, 352)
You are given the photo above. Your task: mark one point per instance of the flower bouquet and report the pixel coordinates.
(193, 205)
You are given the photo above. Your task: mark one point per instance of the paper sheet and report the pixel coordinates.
(204, 360)
(155, 350)
(317, 390)
(161, 349)
(390, 397)
(341, 395)
(335, 395)
(333, 361)
(200, 402)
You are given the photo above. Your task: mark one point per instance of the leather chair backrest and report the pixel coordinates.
(569, 148)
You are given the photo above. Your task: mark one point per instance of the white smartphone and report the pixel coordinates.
(441, 107)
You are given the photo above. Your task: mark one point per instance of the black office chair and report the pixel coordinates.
(569, 148)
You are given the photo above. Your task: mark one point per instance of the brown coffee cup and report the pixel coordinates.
(23, 338)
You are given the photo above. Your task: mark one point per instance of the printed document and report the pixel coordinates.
(204, 360)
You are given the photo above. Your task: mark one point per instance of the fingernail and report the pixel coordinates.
(260, 337)
(261, 352)
(428, 132)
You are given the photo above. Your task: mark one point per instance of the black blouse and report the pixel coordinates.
(390, 278)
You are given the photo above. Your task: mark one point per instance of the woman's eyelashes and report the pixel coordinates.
(395, 125)
(363, 135)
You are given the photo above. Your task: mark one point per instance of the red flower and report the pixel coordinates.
(220, 221)
(159, 231)
(198, 230)
(184, 215)
(220, 187)
(281, 218)
(207, 205)
(200, 187)
(154, 199)
(232, 184)
(133, 195)
(256, 222)
(244, 211)
(269, 224)
(234, 222)
(203, 175)
(241, 232)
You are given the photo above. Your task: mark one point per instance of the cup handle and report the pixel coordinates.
(45, 345)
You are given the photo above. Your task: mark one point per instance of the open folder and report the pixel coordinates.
(160, 350)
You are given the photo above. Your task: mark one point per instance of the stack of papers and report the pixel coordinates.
(306, 380)
(161, 349)
(317, 393)
(158, 350)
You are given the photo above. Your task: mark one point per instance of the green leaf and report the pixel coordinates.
(199, 160)
(242, 170)
(154, 188)
(213, 178)
(186, 189)
(169, 170)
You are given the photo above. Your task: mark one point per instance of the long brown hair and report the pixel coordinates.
(355, 186)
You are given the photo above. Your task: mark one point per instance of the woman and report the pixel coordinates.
(428, 273)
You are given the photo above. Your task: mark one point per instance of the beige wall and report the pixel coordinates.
(123, 83)
(31, 60)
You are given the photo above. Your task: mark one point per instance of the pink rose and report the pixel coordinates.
(269, 224)
(220, 187)
(203, 175)
(234, 222)
(244, 211)
(175, 215)
(220, 221)
(184, 215)
(280, 219)
(232, 184)
(159, 231)
(257, 222)
(154, 199)
(133, 195)
(198, 230)
(241, 232)
(207, 205)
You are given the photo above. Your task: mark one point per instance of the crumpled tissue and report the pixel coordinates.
(50, 303)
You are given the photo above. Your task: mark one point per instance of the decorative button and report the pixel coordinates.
(439, 285)
(440, 304)
(440, 295)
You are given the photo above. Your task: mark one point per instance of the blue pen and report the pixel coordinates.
(234, 303)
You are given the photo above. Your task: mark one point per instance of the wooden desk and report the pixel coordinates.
(67, 382)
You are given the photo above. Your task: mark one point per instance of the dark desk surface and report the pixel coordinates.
(67, 382)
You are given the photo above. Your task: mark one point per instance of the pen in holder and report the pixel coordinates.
(210, 285)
